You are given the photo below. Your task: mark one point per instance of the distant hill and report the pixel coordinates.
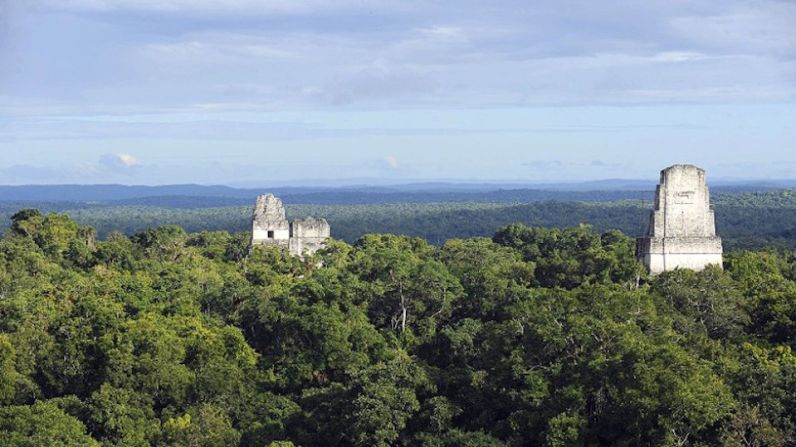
(207, 198)
(203, 196)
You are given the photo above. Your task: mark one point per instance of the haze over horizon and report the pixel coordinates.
(244, 92)
(431, 185)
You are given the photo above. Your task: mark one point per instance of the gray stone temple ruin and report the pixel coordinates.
(682, 228)
(270, 227)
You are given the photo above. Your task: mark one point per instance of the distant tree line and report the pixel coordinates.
(745, 220)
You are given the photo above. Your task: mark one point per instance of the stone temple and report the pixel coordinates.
(682, 228)
(270, 227)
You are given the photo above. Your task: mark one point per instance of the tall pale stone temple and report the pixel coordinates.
(682, 228)
(270, 227)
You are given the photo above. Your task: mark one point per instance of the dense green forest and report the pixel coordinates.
(533, 337)
(746, 220)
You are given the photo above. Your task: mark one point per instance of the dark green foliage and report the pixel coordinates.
(548, 337)
(41, 424)
(746, 220)
(574, 256)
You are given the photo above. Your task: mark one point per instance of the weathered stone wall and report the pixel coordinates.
(270, 227)
(308, 235)
(682, 204)
(663, 254)
(682, 230)
(310, 227)
(269, 224)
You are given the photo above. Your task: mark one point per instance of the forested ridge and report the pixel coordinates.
(746, 220)
(533, 337)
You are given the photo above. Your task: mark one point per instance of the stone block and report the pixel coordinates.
(682, 229)
(270, 227)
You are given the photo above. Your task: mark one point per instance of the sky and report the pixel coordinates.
(264, 92)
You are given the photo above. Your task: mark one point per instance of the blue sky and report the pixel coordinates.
(275, 91)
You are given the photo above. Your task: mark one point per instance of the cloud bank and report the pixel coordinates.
(187, 82)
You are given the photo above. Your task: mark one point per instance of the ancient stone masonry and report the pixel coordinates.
(682, 229)
(270, 227)
(269, 224)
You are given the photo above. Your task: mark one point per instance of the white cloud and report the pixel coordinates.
(119, 162)
(391, 161)
(164, 5)
(767, 29)
(677, 56)
(202, 7)
(127, 160)
(442, 32)
(215, 49)
(431, 54)
(109, 168)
